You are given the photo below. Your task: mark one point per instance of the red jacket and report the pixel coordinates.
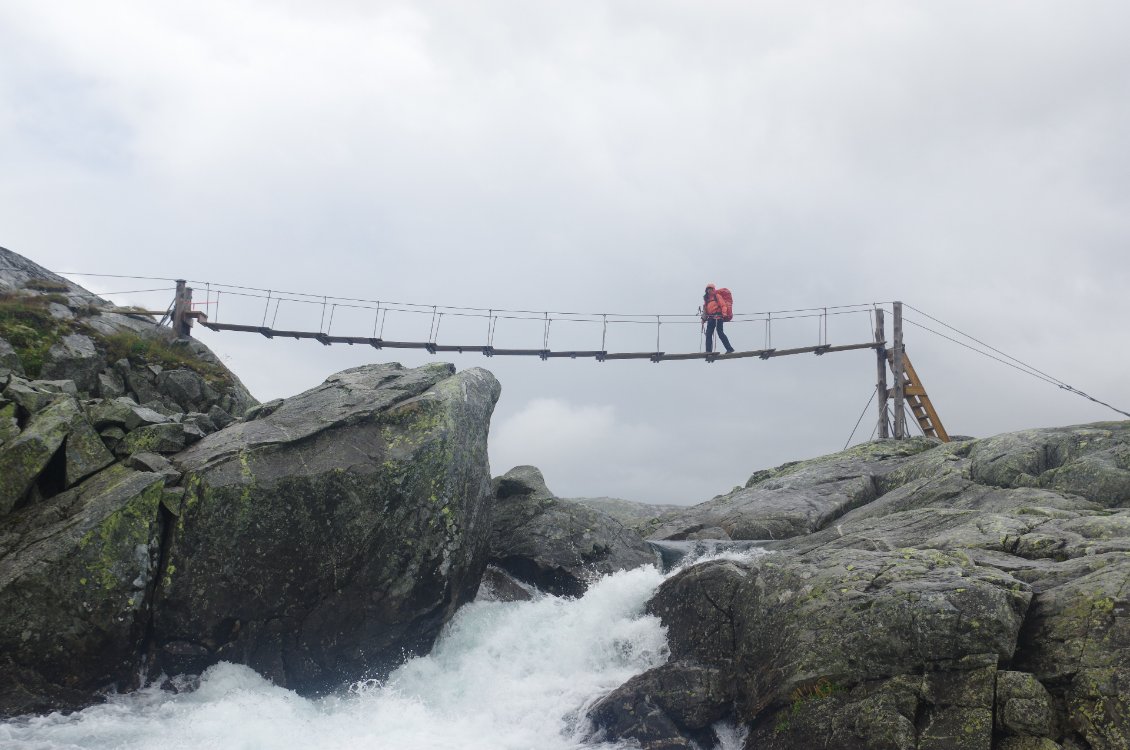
(712, 308)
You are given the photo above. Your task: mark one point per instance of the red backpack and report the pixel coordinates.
(726, 300)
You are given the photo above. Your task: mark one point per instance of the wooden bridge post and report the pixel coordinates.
(182, 305)
(881, 360)
(898, 371)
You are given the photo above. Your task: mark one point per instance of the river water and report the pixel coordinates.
(502, 676)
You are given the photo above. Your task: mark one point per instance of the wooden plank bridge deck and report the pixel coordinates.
(545, 354)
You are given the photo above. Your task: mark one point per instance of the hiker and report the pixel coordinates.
(714, 314)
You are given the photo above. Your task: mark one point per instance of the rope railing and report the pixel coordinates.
(381, 308)
(330, 308)
(483, 312)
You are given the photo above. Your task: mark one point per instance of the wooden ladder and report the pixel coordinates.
(918, 401)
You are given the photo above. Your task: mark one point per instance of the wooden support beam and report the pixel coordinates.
(182, 306)
(490, 351)
(881, 359)
(575, 355)
(851, 347)
(682, 357)
(926, 405)
(918, 400)
(516, 352)
(234, 327)
(629, 355)
(898, 370)
(404, 344)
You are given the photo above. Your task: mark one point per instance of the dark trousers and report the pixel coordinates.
(711, 324)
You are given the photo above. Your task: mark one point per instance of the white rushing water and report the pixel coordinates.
(502, 676)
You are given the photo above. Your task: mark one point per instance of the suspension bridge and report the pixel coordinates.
(905, 397)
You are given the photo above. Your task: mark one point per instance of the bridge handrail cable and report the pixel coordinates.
(484, 312)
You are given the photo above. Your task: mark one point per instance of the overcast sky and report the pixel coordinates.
(968, 158)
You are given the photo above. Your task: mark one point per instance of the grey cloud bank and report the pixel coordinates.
(968, 159)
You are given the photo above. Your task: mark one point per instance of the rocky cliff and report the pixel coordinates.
(911, 596)
(335, 534)
(152, 517)
(967, 595)
(557, 545)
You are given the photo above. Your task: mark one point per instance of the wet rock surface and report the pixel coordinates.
(966, 595)
(672, 706)
(144, 525)
(915, 595)
(336, 534)
(319, 543)
(642, 518)
(76, 578)
(796, 498)
(557, 545)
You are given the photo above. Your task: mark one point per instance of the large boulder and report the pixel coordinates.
(333, 534)
(1024, 706)
(76, 575)
(9, 359)
(27, 459)
(190, 391)
(795, 498)
(847, 615)
(84, 451)
(1078, 639)
(167, 437)
(1088, 460)
(807, 640)
(947, 709)
(74, 357)
(122, 412)
(969, 595)
(557, 545)
(642, 518)
(30, 396)
(672, 707)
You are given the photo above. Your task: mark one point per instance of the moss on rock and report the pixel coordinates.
(75, 591)
(338, 529)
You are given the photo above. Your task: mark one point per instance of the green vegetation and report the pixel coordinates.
(128, 528)
(153, 350)
(801, 695)
(28, 325)
(30, 328)
(46, 285)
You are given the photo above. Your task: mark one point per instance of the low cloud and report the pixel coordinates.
(584, 450)
(968, 158)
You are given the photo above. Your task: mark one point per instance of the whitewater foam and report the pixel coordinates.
(502, 676)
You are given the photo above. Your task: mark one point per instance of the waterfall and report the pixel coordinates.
(502, 676)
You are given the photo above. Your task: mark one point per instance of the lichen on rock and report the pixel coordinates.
(337, 532)
(977, 598)
(75, 582)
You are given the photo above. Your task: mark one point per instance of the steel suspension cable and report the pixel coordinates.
(1021, 366)
(982, 343)
(321, 298)
(858, 421)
